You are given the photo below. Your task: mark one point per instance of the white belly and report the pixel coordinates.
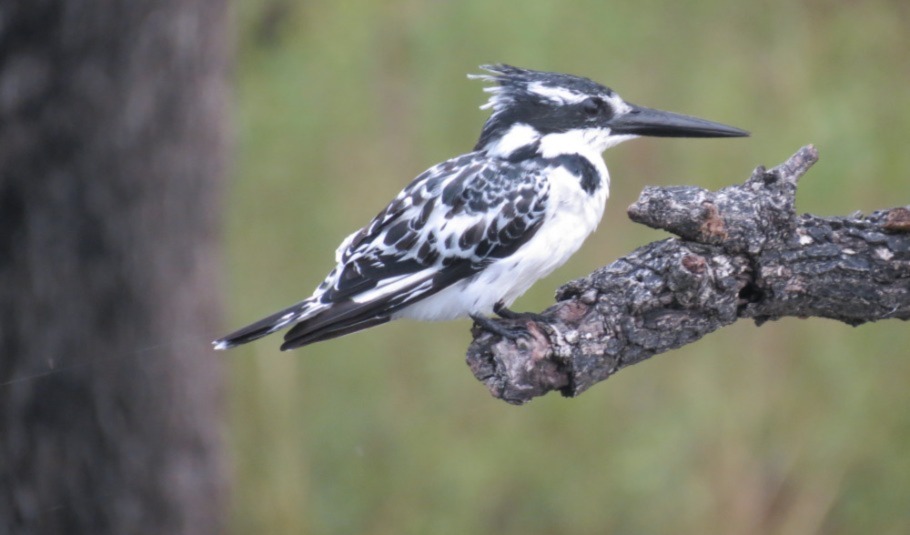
(572, 214)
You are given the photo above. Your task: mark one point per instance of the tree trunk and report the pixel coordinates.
(112, 151)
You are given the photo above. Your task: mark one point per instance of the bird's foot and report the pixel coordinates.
(504, 312)
(511, 332)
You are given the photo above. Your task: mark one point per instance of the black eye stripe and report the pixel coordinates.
(546, 116)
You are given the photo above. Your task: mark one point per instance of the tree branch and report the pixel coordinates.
(742, 252)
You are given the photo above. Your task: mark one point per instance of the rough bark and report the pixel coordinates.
(742, 252)
(112, 149)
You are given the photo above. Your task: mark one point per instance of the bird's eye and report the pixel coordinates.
(592, 106)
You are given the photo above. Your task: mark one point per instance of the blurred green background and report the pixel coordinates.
(800, 426)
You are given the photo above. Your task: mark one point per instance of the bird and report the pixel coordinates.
(470, 235)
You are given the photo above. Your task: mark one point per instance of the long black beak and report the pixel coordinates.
(641, 121)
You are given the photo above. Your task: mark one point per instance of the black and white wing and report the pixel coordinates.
(449, 223)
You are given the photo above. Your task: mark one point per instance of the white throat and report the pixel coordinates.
(581, 141)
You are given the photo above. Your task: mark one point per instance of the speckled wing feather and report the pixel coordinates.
(449, 223)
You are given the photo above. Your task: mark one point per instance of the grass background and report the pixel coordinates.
(795, 427)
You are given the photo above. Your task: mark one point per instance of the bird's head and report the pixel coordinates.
(551, 113)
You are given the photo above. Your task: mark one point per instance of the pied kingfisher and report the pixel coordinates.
(471, 234)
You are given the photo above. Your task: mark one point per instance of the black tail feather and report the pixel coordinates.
(302, 334)
(315, 321)
(263, 327)
(341, 318)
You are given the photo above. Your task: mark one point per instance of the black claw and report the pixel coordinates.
(504, 312)
(511, 333)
